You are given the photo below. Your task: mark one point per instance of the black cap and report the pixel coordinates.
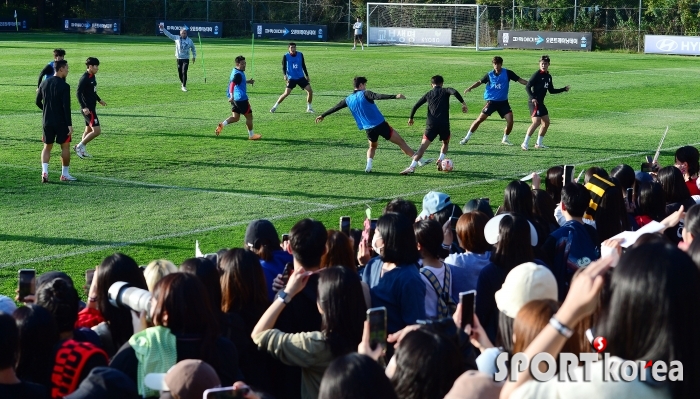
(261, 232)
(481, 205)
(105, 383)
(50, 276)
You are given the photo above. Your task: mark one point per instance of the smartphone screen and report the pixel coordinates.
(287, 272)
(345, 225)
(453, 222)
(27, 282)
(285, 237)
(225, 393)
(377, 326)
(467, 299)
(372, 228)
(568, 173)
(89, 274)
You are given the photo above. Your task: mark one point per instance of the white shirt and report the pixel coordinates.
(431, 299)
(358, 28)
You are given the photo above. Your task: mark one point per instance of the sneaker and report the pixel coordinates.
(218, 129)
(408, 171)
(79, 151)
(310, 110)
(424, 162)
(438, 164)
(368, 169)
(523, 146)
(68, 178)
(254, 137)
(273, 109)
(353, 48)
(541, 146)
(506, 142)
(464, 141)
(44, 177)
(85, 154)
(184, 88)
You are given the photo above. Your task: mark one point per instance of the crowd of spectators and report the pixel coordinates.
(553, 267)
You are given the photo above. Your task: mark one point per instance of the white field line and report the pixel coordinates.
(325, 207)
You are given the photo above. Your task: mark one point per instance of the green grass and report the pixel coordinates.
(160, 178)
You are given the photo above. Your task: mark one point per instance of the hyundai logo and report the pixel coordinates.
(667, 45)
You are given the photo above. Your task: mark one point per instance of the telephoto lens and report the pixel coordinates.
(123, 295)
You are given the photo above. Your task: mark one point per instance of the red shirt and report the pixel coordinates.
(693, 186)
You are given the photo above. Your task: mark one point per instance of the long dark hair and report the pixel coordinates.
(38, 335)
(209, 274)
(650, 200)
(343, 304)
(339, 251)
(611, 214)
(427, 364)
(673, 183)
(355, 376)
(518, 199)
(690, 155)
(183, 297)
(692, 221)
(554, 182)
(117, 267)
(543, 208)
(243, 282)
(513, 247)
(399, 240)
(653, 312)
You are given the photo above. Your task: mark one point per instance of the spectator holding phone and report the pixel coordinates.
(342, 306)
(11, 387)
(339, 252)
(38, 335)
(262, 239)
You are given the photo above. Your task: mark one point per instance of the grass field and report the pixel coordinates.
(160, 178)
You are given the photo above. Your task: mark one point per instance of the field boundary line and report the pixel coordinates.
(325, 207)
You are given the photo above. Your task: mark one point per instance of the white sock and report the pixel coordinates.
(441, 157)
(276, 104)
(308, 105)
(413, 164)
(225, 122)
(64, 170)
(539, 140)
(45, 168)
(369, 162)
(527, 140)
(250, 133)
(505, 137)
(81, 144)
(469, 135)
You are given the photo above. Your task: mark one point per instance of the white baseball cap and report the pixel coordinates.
(491, 230)
(525, 283)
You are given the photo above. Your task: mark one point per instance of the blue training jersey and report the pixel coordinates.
(366, 114)
(51, 64)
(497, 88)
(294, 67)
(238, 90)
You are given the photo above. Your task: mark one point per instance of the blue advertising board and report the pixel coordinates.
(204, 29)
(103, 26)
(315, 33)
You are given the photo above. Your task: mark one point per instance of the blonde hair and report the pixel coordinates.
(156, 270)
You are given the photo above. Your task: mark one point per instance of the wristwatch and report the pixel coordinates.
(283, 297)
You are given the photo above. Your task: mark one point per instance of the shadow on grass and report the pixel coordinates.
(75, 241)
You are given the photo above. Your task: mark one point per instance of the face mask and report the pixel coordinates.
(374, 245)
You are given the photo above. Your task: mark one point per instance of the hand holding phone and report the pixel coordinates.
(345, 225)
(467, 299)
(568, 174)
(377, 327)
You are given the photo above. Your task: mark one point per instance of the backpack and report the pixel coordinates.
(445, 305)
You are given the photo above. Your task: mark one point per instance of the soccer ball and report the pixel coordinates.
(447, 165)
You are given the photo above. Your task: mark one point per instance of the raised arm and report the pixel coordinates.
(371, 96)
(552, 90)
(457, 95)
(420, 102)
(342, 104)
(168, 34)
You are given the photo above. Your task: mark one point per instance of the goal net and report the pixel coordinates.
(464, 25)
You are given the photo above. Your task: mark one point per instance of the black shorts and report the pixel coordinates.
(241, 107)
(91, 119)
(431, 132)
(503, 108)
(538, 111)
(383, 129)
(358, 37)
(55, 134)
(301, 82)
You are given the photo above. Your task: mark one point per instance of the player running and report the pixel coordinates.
(238, 97)
(88, 99)
(496, 95)
(183, 46)
(537, 87)
(295, 74)
(438, 122)
(53, 98)
(48, 71)
(368, 117)
(358, 34)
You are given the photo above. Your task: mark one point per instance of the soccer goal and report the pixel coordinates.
(463, 25)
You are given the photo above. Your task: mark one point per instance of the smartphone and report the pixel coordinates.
(372, 228)
(285, 237)
(345, 225)
(453, 222)
(629, 195)
(27, 283)
(89, 275)
(377, 326)
(287, 272)
(467, 299)
(225, 393)
(568, 173)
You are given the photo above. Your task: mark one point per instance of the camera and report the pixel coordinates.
(123, 295)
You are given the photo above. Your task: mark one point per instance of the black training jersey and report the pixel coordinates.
(87, 91)
(53, 98)
(539, 84)
(438, 100)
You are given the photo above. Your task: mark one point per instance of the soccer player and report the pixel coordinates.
(358, 34)
(183, 46)
(438, 122)
(238, 97)
(537, 87)
(88, 99)
(295, 74)
(368, 117)
(496, 95)
(53, 98)
(48, 71)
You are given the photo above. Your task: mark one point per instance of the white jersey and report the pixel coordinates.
(358, 28)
